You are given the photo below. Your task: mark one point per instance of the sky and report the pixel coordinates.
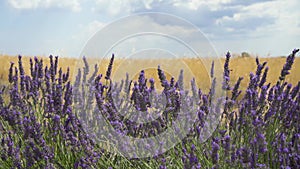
(65, 27)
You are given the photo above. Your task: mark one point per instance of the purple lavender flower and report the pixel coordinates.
(162, 77)
(10, 76)
(55, 64)
(215, 148)
(295, 91)
(235, 90)
(227, 145)
(152, 87)
(180, 80)
(109, 69)
(163, 165)
(262, 144)
(233, 154)
(66, 75)
(51, 90)
(245, 155)
(212, 69)
(264, 77)
(22, 75)
(288, 65)
(226, 77)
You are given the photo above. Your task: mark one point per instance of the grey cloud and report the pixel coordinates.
(205, 18)
(248, 24)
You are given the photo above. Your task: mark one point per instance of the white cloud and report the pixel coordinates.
(264, 18)
(123, 7)
(226, 22)
(24, 4)
(260, 27)
(88, 30)
(74, 5)
(94, 26)
(196, 4)
(144, 32)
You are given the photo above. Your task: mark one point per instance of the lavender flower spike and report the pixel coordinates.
(108, 72)
(226, 77)
(288, 65)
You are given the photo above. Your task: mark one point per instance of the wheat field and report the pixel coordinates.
(240, 67)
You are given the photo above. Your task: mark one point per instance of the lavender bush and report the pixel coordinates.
(47, 121)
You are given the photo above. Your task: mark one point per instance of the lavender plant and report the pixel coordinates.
(50, 122)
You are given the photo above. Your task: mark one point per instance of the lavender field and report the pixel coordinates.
(48, 120)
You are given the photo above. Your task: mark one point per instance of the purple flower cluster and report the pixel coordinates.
(38, 115)
(49, 122)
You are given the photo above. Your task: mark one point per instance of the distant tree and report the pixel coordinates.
(245, 54)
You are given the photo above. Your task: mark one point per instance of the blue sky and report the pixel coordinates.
(63, 27)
